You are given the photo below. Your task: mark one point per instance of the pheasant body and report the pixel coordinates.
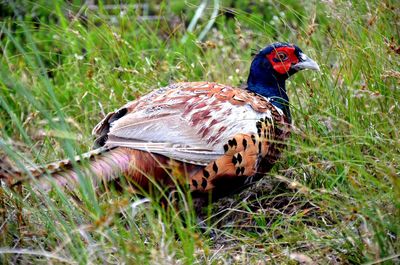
(211, 136)
(229, 129)
(189, 122)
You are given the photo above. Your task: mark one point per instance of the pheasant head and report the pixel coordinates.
(270, 69)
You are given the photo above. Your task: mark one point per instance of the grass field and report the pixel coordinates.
(334, 197)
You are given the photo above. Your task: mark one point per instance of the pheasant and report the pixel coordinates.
(213, 137)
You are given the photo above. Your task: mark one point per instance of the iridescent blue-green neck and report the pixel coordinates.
(264, 82)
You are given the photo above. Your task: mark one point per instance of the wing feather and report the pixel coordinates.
(187, 121)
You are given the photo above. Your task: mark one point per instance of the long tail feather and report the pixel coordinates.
(8, 173)
(102, 163)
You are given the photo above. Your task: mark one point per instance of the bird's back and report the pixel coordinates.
(188, 122)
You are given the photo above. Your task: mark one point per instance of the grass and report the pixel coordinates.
(333, 198)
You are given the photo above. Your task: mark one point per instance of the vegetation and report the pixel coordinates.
(334, 198)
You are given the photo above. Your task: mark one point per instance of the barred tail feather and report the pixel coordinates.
(8, 173)
(101, 164)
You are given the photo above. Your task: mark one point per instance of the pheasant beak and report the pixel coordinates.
(305, 63)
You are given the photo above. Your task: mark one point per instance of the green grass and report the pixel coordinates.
(334, 197)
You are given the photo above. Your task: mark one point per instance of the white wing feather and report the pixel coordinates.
(169, 133)
(169, 127)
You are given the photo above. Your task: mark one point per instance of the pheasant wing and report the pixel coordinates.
(186, 121)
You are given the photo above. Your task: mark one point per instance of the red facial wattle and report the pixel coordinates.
(282, 59)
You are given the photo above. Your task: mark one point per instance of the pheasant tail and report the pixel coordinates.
(103, 164)
(8, 173)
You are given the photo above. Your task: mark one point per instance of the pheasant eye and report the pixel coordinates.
(281, 56)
